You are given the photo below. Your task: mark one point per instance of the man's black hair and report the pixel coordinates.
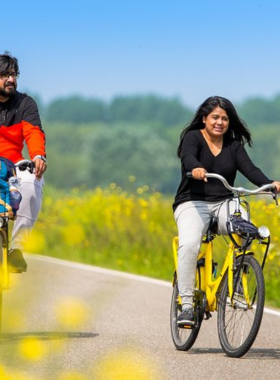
(8, 63)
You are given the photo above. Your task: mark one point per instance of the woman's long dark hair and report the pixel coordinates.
(237, 127)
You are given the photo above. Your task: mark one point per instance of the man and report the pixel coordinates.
(20, 123)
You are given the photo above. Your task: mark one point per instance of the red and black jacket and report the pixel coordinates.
(19, 122)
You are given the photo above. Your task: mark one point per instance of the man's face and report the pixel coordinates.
(8, 84)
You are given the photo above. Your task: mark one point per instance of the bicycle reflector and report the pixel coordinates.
(263, 232)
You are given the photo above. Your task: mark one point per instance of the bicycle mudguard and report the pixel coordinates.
(174, 278)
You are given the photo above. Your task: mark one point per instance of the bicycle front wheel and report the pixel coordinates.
(239, 319)
(183, 338)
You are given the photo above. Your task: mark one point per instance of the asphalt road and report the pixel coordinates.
(67, 321)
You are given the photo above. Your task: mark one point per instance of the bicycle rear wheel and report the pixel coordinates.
(183, 338)
(1, 279)
(239, 321)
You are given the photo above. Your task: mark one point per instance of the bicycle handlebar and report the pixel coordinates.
(24, 161)
(25, 164)
(239, 190)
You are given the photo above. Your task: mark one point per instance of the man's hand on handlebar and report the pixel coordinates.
(199, 173)
(40, 167)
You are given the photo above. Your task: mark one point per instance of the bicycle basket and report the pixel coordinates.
(242, 227)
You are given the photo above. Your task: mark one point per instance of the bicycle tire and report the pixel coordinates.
(239, 323)
(183, 338)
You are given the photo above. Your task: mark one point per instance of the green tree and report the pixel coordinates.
(118, 154)
(76, 109)
(65, 153)
(257, 111)
(149, 108)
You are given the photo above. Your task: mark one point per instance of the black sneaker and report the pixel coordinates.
(186, 318)
(16, 261)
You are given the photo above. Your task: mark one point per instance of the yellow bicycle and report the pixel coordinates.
(238, 293)
(4, 242)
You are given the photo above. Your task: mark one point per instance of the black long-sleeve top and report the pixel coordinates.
(232, 158)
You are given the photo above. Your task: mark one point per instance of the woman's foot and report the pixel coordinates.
(186, 318)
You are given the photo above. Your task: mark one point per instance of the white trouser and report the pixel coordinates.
(192, 220)
(30, 206)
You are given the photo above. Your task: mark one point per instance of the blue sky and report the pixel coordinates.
(103, 48)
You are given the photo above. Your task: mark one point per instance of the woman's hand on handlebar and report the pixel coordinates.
(277, 186)
(200, 174)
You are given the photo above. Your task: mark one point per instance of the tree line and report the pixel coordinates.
(132, 109)
(147, 108)
(132, 140)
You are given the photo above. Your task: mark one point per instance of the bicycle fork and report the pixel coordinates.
(238, 283)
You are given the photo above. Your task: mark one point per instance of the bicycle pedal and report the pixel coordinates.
(208, 315)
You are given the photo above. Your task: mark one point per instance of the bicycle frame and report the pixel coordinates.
(207, 284)
(210, 286)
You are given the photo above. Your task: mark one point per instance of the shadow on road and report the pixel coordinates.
(44, 336)
(253, 353)
(205, 351)
(263, 353)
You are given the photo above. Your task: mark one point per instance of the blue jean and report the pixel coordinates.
(192, 220)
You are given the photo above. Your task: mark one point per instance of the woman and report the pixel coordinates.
(213, 142)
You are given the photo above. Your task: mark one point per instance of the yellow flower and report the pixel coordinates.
(73, 234)
(127, 365)
(36, 242)
(31, 348)
(132, 178)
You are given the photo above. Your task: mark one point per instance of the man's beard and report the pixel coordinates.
(7, 94)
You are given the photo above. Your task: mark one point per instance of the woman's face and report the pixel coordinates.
(216, 122)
